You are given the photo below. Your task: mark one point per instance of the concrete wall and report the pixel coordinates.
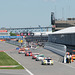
(56, 48)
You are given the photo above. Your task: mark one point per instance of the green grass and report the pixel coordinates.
(6, 60)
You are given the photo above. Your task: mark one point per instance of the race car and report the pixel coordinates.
(17, 48)
(22, 48)
(28, 53)
(40, 57)
(21, 51)
(73, 54)
(34, 55)
(27, 48)
(33, 47)
(47, 61)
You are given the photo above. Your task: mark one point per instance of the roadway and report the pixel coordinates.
(33, 67)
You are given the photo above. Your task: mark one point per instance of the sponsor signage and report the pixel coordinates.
(11, 37)
(32, 34)
(3, 30)
(53, 26)
(21, 34)
(26, 34)
(18, 35)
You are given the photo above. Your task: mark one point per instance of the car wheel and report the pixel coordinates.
(25, 54)
(36, 60)
(32, 57)
(51, 64)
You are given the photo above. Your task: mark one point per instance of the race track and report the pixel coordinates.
(33, 67)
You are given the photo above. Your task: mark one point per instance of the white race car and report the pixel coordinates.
(47, 61)
(27, 48)
(33, 47)
(40, 57)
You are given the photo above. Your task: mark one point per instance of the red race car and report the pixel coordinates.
(34, 55)
(28, 53)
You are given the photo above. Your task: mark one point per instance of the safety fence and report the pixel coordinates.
(56, 48)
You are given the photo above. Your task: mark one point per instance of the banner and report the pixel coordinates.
(11, 37)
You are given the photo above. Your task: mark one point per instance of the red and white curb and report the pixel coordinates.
(8, 66)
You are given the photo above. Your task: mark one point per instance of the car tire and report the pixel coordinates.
(51, 64)
(32, 58)
(36, 60)
(25, 54)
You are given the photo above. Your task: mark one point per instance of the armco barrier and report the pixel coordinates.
(56, 48)
(14, 43)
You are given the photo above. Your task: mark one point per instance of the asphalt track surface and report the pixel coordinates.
(33, 67)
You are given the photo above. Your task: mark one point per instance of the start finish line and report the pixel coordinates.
(10, 37)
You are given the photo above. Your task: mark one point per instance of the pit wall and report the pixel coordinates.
(56, 48)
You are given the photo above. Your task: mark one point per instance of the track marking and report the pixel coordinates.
(28, 71)
(23, 66)
(65, 64)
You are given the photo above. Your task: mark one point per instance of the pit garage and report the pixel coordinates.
(64, 37)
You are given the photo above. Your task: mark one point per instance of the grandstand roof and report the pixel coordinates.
(66, 30)
(43, 33)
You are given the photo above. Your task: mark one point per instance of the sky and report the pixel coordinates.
(31, 13)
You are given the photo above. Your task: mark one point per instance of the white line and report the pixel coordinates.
(23, 66)
(65, 64)
(29, 71)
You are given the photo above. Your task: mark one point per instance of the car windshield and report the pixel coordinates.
(48, 59)
(21, 50)
(42, 56)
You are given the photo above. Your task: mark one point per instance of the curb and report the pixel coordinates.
(8, 66)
